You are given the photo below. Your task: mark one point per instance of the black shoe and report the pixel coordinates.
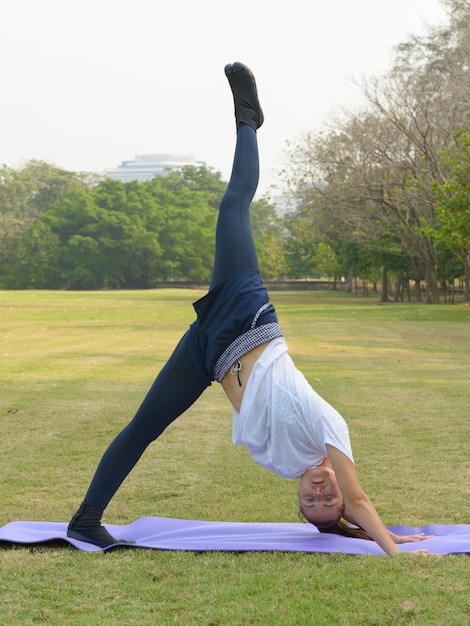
(86, 526)
(245, 95)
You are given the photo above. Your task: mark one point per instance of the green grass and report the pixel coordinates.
(74, 368)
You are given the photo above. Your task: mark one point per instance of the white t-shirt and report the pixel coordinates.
(282, 421)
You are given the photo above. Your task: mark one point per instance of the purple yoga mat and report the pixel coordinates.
(160, 533)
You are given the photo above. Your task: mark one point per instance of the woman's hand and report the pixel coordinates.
(410, 538)
(426, 553)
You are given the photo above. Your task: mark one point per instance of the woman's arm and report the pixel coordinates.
(358, 506)
(396, 538)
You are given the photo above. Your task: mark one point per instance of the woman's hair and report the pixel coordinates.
(339, 526)
(344, 528)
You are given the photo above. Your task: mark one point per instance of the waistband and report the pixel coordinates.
(243, 344)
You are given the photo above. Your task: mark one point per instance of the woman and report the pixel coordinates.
(236, 341)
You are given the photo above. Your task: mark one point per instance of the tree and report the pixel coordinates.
(269, 235)
(33, 264)
(25, 195)
(137, 242)
(425, 99)
(373, 172)
(453, 202)
(186, 233)
(300, 243)
(325, 261)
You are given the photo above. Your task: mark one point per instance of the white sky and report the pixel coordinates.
(86, 84)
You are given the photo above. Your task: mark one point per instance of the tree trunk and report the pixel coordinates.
(399, 286)
(417, 277)
(432, 284)
(408, 290)
(384, 297)
(466, 287)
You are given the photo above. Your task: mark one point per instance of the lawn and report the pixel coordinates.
(74, 368)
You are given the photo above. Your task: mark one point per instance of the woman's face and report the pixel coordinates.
(320, 497)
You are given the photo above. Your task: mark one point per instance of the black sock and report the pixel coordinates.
(86, 526)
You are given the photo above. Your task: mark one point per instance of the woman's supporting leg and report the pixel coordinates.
(234, 245)
(175, 389)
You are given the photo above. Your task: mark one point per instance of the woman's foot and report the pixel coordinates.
(245, 95)
(86, 526)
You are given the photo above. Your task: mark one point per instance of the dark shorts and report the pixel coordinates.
(223, 314)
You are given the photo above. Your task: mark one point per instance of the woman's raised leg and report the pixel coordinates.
(234, 245)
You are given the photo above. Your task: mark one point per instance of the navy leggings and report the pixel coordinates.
(178, 385)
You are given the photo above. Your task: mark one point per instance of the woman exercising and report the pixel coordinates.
(236, 341)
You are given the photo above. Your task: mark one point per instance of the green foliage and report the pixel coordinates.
(28, 248)
(453, 208)
(454, 195)
(269, 234)
(63, 231)
(33, 259)
(300, 245)
(325, 261)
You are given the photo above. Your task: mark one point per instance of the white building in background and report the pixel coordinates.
(147, 166)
